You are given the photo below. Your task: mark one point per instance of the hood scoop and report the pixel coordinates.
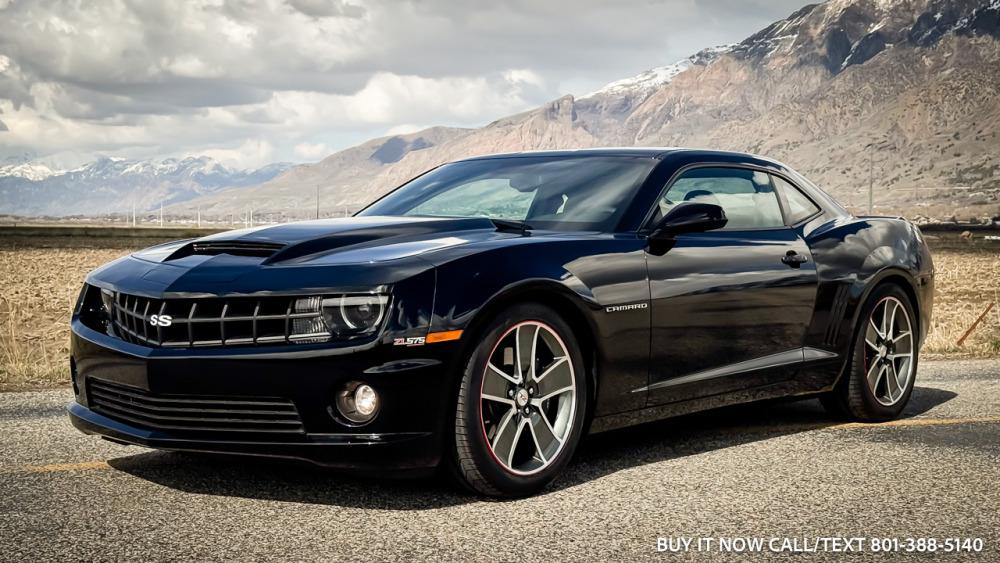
(258, 249)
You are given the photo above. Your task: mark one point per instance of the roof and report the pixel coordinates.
(650, 152)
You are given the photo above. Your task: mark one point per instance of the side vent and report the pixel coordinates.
(231, 247)
(837, 310)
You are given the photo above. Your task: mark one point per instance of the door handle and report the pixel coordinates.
(794, 259)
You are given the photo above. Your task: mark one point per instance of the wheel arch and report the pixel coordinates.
(567, 304)
(897, 276)
(893, 275)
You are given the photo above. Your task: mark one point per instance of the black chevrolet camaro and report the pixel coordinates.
(487, 314)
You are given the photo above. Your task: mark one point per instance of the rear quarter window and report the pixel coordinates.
(800, 207)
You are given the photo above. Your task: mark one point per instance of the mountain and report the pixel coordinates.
(902, 93)
(338, 178)
(114, 185)
(26, 170)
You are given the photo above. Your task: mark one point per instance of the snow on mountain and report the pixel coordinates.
(648, 80)
(658, 77)
(27, 170)
(113, 185)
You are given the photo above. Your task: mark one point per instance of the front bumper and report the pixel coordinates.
(364, 452)
(413, 386)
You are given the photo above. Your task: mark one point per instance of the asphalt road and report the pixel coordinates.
(779, 470)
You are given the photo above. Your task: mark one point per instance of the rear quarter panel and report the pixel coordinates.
(853, 255)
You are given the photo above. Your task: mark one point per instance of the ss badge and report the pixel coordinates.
(161, 320)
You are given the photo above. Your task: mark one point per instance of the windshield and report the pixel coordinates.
(558, 193)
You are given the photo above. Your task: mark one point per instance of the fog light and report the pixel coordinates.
(357, 402)
(365, 400)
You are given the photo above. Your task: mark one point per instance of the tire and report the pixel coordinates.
(876, 358)
(490, 403)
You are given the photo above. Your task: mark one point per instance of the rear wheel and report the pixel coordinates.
(883, 363)
(521, 404)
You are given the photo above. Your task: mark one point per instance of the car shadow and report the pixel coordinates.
(598, 456)
(698, 433)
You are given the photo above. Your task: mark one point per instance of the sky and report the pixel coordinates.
(255, 82)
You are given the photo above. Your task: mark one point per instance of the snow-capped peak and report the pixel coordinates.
(645, 81)
(27, 170)
(652, 79)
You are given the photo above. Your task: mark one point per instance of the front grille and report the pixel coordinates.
(216, 321)
(193, 413)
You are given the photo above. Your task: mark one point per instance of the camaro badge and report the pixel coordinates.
(629, 307)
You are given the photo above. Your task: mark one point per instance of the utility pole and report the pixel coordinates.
(871, 176)
(317, 201)
(199, 216)
(161, 213)
(871, 182)
(133, 213)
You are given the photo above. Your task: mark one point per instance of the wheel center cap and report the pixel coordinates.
(521, 398)
(883, 351)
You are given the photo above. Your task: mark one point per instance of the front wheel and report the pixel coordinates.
(521, 404)
(883, 365)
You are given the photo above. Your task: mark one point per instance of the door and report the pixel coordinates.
(729, 308)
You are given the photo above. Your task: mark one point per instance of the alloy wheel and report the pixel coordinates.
(528, 398)
(889, 351)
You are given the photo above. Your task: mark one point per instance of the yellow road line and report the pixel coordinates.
(918, 422)
(57, 467)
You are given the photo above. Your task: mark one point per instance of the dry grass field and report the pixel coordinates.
(40, 282)
(40, 279)
(967, 280)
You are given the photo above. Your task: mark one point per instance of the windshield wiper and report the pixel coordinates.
(511, 226)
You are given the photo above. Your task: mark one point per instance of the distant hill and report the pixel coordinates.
(113, 185)
(341, 178)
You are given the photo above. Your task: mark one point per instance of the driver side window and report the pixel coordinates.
(747, 196)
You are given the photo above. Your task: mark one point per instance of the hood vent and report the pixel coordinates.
(231, 247)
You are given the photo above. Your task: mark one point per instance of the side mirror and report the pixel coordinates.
(690, 217)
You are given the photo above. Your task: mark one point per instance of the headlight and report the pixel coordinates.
(352, 315)
(317, 319)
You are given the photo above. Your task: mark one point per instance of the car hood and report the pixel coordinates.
(366, 250)
(333, 241)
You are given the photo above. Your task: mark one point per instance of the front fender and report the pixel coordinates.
(590, 273)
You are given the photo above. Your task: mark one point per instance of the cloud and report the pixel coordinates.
(312, 151)
(140, 79)
(3, 126)
(403, 129)
(326, 8)
(252, 153)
